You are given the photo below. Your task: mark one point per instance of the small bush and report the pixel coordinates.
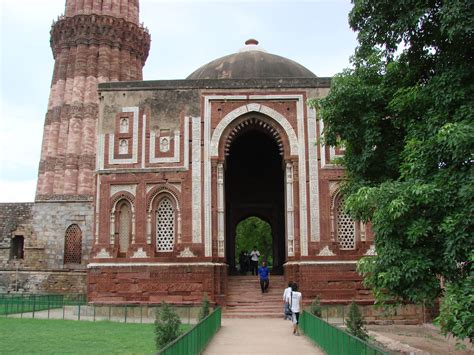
(204, 311)
(315, 307)
(167, 324)
(355, 323)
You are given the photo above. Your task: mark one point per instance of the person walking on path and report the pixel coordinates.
(264, 274)
(287, 315)
(254, 254)
(295, 301)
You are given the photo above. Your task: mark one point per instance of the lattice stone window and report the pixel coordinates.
(165, 226)
(73, 245)
(124, 227)
(345, 227)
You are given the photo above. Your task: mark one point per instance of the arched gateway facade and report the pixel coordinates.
(187, 160)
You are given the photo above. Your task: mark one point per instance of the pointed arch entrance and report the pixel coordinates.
(254, 178)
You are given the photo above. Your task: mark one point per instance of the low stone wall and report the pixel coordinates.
(333, 282)
(407, 314)
(180, 283)
(338, 284)
(43, 282)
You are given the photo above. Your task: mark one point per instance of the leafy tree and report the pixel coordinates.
(404, 113)
(315, 307)
(251, 232)
(167, 325)
(204, 311)
(355, 323)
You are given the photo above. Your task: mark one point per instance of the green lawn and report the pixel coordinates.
(36, 336)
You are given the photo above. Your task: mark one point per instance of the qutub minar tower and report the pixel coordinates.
(142, 184)
(94, 42)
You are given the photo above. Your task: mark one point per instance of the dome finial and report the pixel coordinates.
(251, 41)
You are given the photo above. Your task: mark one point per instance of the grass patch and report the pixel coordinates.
(37, 336)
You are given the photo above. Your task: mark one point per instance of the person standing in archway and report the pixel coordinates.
(254, 254)
(263, 274)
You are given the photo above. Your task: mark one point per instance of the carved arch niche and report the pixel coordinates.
(122, 222)
(163, 223)
(346, 233)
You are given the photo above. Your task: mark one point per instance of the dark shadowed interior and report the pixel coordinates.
(254, 186)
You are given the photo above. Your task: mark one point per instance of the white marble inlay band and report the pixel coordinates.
(134, 158)
(302, 175)
(313, 175)
(132, 189)
(196, 180)
(220, 211)
(177, 142)
(231, 116)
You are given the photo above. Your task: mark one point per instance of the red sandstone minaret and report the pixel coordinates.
(95, 41)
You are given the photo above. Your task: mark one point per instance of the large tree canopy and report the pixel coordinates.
(404, 113)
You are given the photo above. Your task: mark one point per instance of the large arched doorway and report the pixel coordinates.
(254, 185)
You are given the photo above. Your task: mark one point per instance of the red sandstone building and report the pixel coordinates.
(141, 184)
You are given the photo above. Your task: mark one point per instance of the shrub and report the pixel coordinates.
(204, 311)
(315, 307)
(355, 323)
(167, 324)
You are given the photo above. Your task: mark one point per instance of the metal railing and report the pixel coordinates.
(30, 303)
(75, 307)
(196, 339)
(334, 340)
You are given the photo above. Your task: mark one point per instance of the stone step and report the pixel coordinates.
(245, 299)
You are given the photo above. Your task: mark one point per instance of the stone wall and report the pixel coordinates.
(334, 283)
(15, 219)
(43, 281)
(50, 222)
(148, 283)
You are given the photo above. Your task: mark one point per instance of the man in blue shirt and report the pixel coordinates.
(263, 273)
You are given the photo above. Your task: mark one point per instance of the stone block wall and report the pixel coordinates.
(147, 283)
(15, 219)
(334, 283)
(50, 222)
(43, 281)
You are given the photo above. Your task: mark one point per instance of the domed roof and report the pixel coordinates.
(251, 62)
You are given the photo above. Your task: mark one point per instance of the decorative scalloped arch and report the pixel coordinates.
(258, 108)
(243, 123)
(159, 189)
(122, 195)
(334, 195)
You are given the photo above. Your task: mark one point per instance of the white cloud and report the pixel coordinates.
(20, 141)
(17, 191)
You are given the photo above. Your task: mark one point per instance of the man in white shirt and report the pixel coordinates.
(295, 301)
(286, 306)
(254, 254)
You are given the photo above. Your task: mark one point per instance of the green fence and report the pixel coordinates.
(334, 340)
(26, 303)
(195, 340)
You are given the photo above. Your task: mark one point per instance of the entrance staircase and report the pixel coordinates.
(246, 300)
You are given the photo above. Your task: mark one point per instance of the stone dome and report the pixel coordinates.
(251, 62)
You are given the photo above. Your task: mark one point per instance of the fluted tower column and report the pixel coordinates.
(93, 42)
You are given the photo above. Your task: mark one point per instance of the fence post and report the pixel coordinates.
(93, 307)
(126, 309)
(34, 304)
(78, 311)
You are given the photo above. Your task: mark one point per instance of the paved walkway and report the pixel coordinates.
(259, 336)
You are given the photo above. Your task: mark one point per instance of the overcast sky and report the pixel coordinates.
(185, 35)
